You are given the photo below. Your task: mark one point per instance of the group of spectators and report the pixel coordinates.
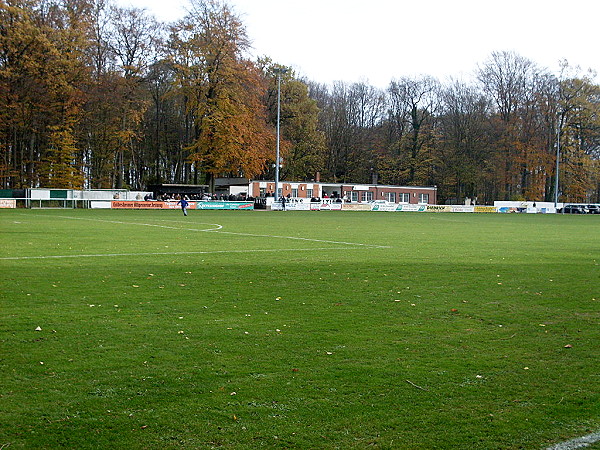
(167, 197)
(290, 199)
(326, 197)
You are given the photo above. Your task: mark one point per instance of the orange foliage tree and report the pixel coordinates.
(223, 91)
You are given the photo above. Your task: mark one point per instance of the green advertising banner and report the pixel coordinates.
(224, 205)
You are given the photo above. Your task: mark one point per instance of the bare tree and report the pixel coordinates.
(413, 105)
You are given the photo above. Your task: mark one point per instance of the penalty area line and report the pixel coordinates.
(580, 442)
(219, 229)
(208, 252)
(142, 224)
(300, 239)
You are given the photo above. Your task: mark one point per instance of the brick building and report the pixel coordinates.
(353, 193)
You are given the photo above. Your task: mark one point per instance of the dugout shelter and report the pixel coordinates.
(190, 190)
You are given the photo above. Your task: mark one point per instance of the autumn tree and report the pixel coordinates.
(224, 91)
(133, 41)
(22, 44)
(508, 80)
(165, 127)
(579, 131)
(43, 71)
(62, 163)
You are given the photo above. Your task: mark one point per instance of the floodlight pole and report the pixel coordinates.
(557, 163)
(278, 71)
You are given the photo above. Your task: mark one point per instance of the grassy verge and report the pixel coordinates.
(443, 331)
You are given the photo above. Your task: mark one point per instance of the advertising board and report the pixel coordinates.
(324, 206)
(356, 207)
(147, 205)
(439, 208)
(463, 209)
(411, 208)
(381, 206)
(485, 209)
(223, 205)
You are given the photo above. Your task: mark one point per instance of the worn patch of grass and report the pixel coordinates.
(453, 335)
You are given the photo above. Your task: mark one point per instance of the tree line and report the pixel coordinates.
(94, 95)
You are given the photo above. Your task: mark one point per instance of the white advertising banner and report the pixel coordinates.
(381, 206)
(325, 206)
(412, 208)
(463, 209)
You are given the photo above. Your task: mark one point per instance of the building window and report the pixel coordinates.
(294, 192)
(423, 199)
(366, 196)
(353, 196)
(309, 193)
(279, 192)
(404, 197)
(391, 197)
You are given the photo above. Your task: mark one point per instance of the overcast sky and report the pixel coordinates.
(379, 40)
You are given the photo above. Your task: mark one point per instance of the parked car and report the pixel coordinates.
(572, 209)
(593, 209)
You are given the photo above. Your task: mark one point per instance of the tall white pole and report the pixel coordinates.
(276, 195)
(557, 163)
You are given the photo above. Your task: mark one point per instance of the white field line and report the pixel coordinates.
(208, 252)
(301, 239)
(219, 228)
(580, 442)
(216, 229)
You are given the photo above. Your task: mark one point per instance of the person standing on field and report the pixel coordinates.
(184, 204)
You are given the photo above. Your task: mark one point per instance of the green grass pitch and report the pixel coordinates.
(227, 329)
